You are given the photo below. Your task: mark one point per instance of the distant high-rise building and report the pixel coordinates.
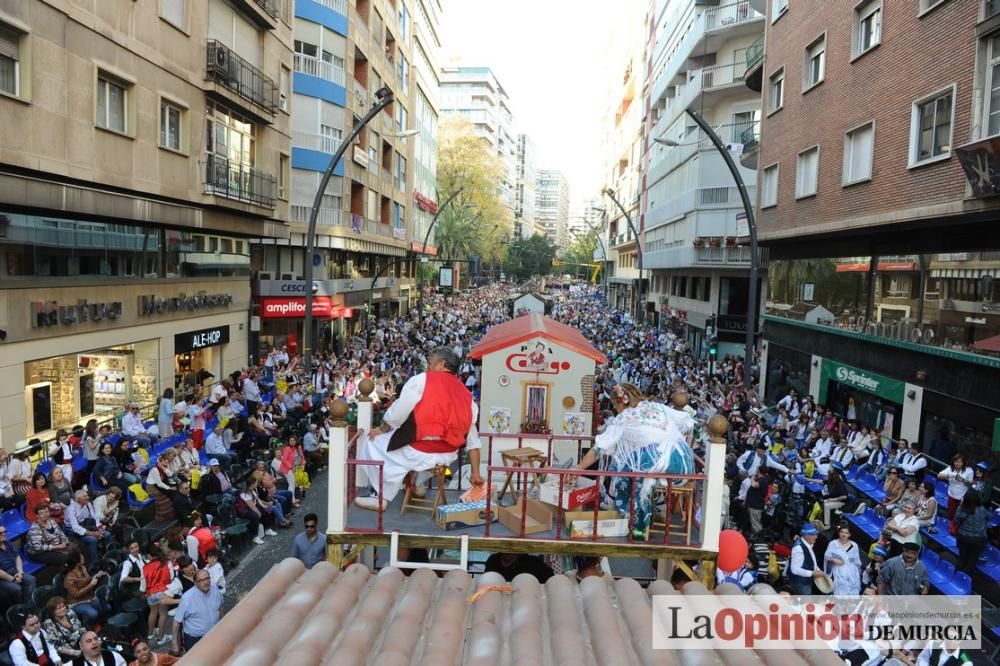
(524, 188)
(476, 94)
(552, 206)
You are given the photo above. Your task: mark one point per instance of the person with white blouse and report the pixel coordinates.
(959, 478)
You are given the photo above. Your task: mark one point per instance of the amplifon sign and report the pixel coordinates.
(322, 306)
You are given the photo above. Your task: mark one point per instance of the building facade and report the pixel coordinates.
(524, 188)
(476, 94)
(882, 214)
(143, 146)
(552, 207)
(695, 233)
(378, 204)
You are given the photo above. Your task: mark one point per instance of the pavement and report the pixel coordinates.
(256, 561)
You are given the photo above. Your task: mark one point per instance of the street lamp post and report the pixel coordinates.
(640, 309)
(384, 98)
(423, 252)
(751, 227)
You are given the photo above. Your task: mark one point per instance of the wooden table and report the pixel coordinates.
(526, 457)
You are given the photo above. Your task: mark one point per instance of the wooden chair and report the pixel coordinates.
(412, 501)
(680, 497)
(526, 457)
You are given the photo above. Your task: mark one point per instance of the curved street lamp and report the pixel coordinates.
(640, 312)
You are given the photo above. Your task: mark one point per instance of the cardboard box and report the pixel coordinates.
(538, 518)
(586, 492)
(580, 524)
(463, 514)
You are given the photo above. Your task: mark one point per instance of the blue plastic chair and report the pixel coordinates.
(44, 467)
(30, 566)
(990, 556)
(942, 574)
(930, 559)
(79, 462)
(95, 484)
(851, 473)
(959, 585)
(16, 524)
(135, 503)
(865, 482)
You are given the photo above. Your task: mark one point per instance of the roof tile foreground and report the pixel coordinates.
(534, 325)
(322, 616)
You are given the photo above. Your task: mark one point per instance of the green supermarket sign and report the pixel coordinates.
(862, 380)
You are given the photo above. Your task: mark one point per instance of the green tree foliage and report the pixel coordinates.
(530, 256)
(578, 258)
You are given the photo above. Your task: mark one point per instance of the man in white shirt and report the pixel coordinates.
(752, 460)
(251, 392)
(418, 434)
(133, 428)
(83, 523)
(90, 646)
(942, 653)
(215, 446)
(824, 446)
(31, 642)
(914, 461)
(802, 566)
(789, 400)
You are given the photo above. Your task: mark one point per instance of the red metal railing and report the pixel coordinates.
(351, 491)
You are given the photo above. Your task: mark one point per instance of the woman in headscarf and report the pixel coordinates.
(642, 437)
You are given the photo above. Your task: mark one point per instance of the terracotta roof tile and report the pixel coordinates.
(330, 618)
(531, 326)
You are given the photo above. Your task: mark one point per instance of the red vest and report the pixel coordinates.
(443, 415)
(206, 542)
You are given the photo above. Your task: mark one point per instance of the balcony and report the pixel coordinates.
(319, 68)
(263, 12)
(750, 138)
(339, 6)
(320, 142)
(360, 97)
(330, 217)
(754, 75)
(722, 76)
(729, 255)
(238, 182)
(233, 74)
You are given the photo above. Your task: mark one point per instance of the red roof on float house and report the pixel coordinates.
(531, 326)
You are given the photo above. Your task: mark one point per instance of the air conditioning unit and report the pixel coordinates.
(287, 276)
(265, 275)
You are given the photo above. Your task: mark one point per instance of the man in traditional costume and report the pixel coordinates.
(431, 420)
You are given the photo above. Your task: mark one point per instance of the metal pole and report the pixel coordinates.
(921, 289)
(385, 98)
(754, 259)
(423, 252)
(639, 306)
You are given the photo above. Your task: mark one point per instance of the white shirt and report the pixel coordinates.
(127, 571)
(218, 575)
(795, 565)
(250, 390)
(413, 391)
(925, 655)
(19, 656)
(76, 513)
(132, 424)
(956, 485)
(119, 660)
(913, 463)
(215, 445)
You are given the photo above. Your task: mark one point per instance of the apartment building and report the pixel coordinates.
(143, 145)
(368, 222)
(524, 188)
(552, 207)
(476, 94)
(876, 199)
(696, 237)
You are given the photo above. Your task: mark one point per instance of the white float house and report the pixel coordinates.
(529, 302)
(537, 374)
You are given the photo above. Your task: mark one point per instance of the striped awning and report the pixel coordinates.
(964, 273)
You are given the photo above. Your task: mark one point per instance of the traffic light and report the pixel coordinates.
(713, 347)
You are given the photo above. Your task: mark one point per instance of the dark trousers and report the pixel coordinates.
(969, 550)
(188, 641)
(50, 556)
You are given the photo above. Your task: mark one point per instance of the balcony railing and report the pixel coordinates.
(321, 142)
(230, 70)
(239, 181)
(727, 15)
(360, 96)
(735, 254)
(720, 76)
(755, 52)
(269, 6)
(339, 6)
(333, 217)
(750, 137)
(322, 69)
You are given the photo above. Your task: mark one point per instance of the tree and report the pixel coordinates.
(530, 256)
(579, 256)
(477, 220)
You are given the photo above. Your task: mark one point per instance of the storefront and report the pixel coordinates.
(282, 320)
(787, 370)
(71, 354)
(866, 397)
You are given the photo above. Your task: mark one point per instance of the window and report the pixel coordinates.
(170, 126)
(283, 79)
(858, 149)
(284, 175)
(807, 173)
(776, 91)
(112, 104)
(305, 48)
(536, 408)
(930, 128)
(398, 215)
(778, 7)
(10, 61)
(990, 8)
(867, 26)
(993, 83)
(815, 65)
(330, 136)
(173, 12)
(400, 172)
(769, 189)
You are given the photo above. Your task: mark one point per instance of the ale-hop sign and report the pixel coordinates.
(201, 339)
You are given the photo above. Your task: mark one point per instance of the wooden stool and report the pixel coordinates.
(681, 497)
(526, 457)
(411, 501)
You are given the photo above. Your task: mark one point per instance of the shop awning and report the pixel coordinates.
(988, 344)
(963, 273)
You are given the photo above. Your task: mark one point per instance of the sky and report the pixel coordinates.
(550, 56)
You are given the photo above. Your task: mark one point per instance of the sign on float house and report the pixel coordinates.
(538, 376)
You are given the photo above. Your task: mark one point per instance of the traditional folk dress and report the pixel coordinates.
(643, 438)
